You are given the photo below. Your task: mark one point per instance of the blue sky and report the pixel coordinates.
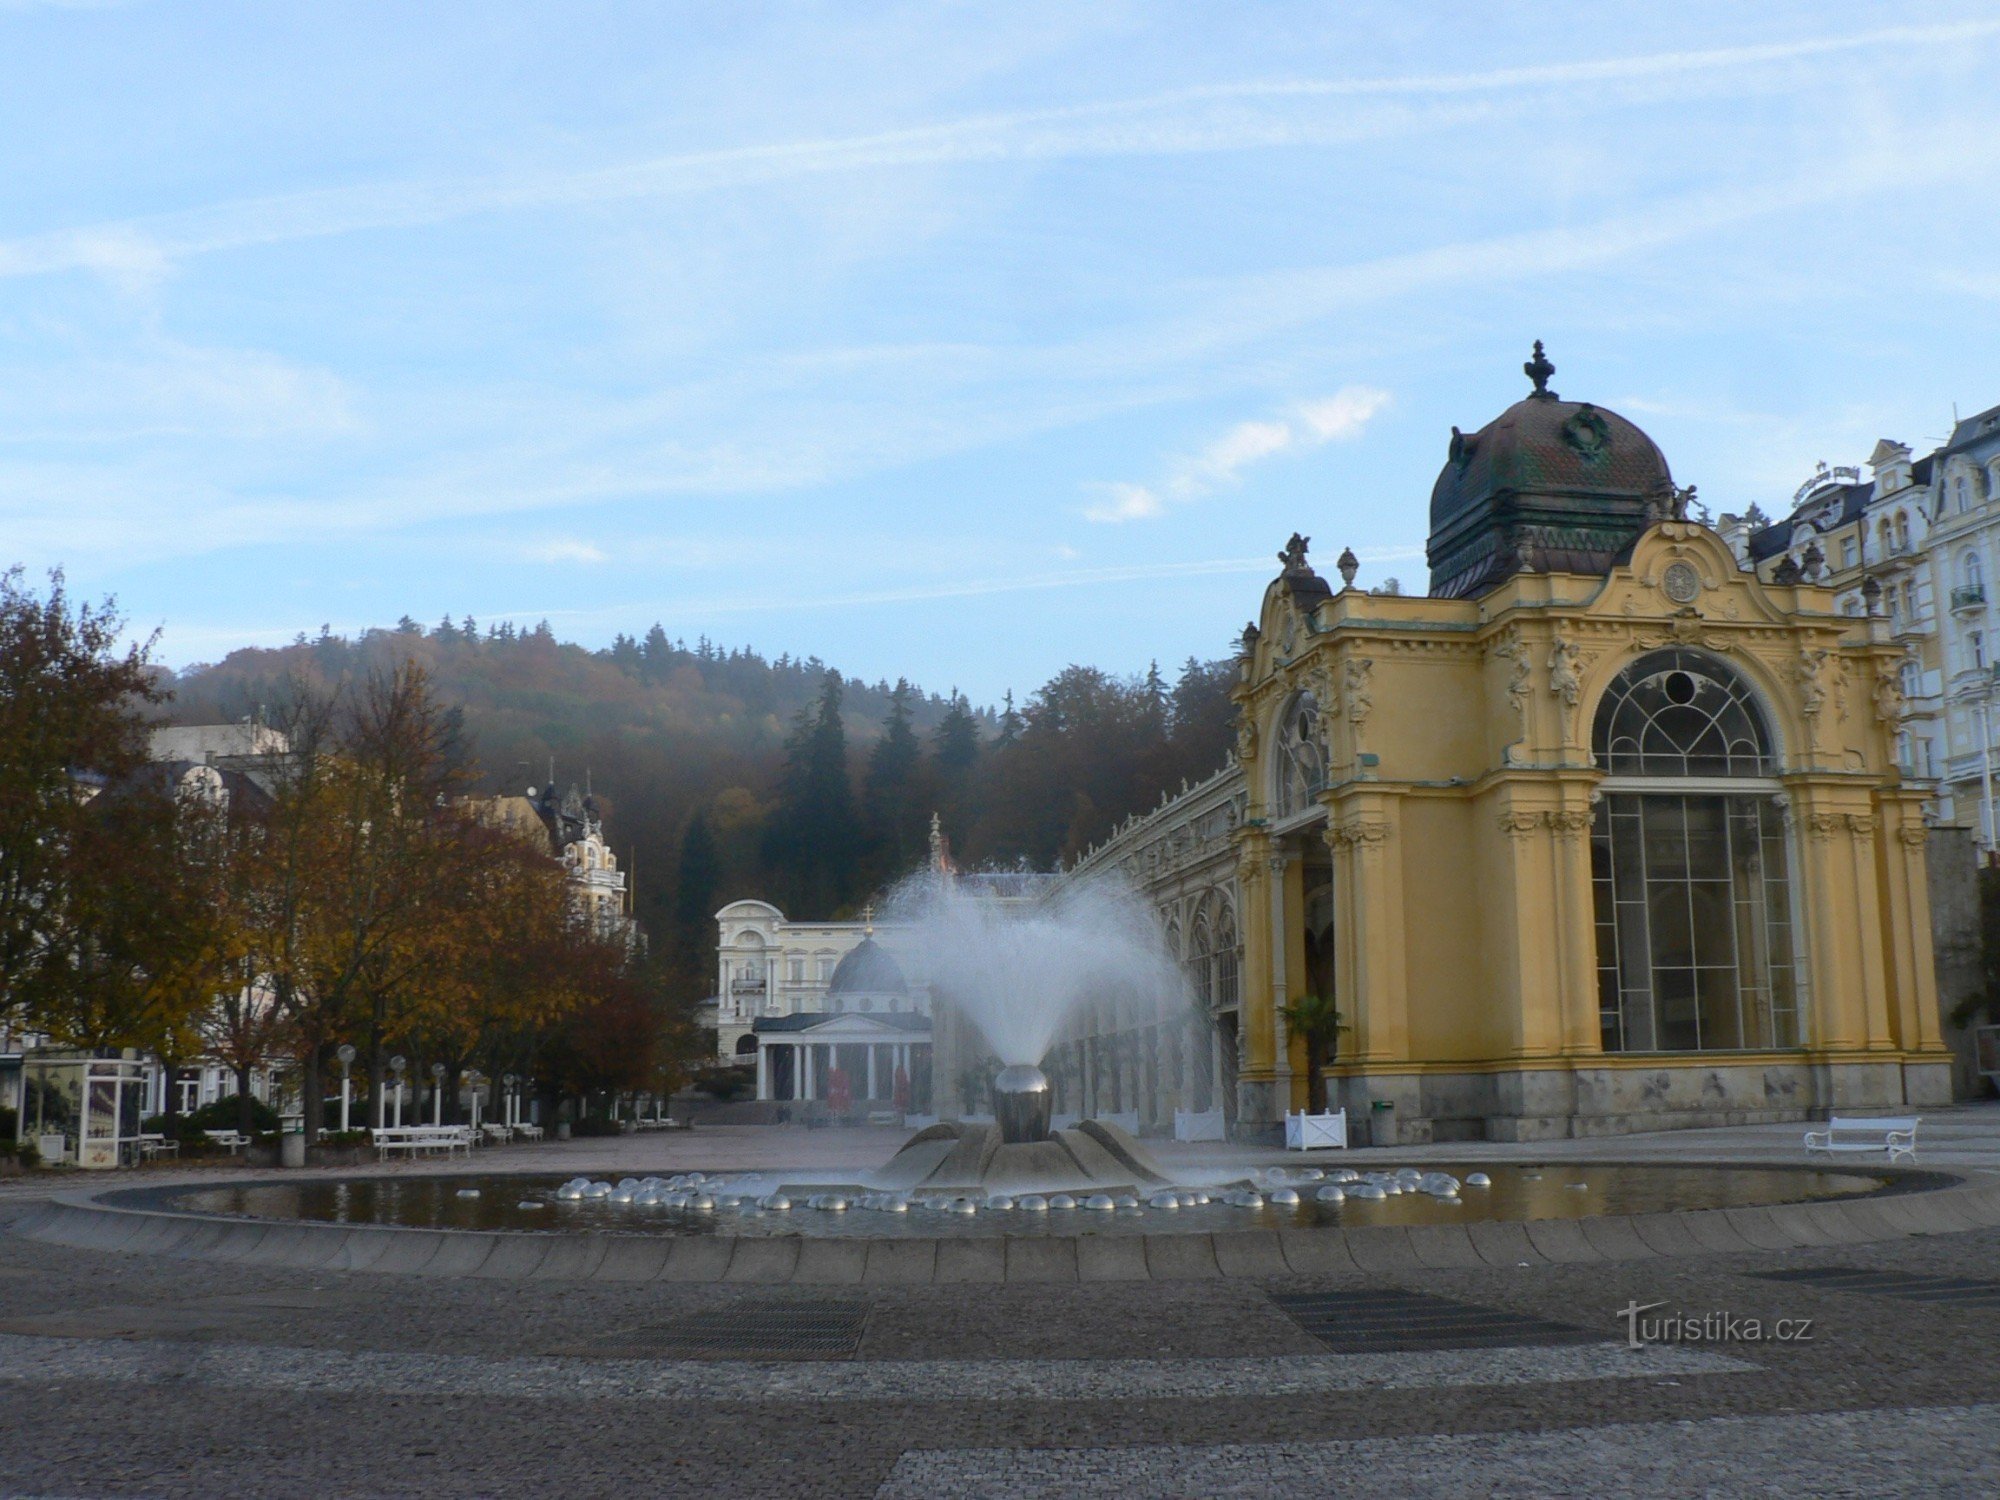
(949, 340)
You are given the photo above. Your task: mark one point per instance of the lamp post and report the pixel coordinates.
(472, 1082)
(511, 1104)
(396, 1065)
(345, 1052)
(437, 1093)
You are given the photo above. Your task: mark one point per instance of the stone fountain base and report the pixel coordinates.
(954, 1157)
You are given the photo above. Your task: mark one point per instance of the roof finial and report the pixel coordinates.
(868, 920)
(1539, 370)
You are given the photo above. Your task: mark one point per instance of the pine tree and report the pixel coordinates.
(895, 787)
(955, 745)
(697, 894)
(812, 844)
(1010, 723)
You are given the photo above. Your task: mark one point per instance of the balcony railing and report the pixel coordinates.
(1968, 596)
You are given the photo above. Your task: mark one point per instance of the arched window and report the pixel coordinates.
(1200, 975)
(1971, 573)
(1690, 865)
(1301, 760)
(1226, 963)
(1673, 714)
(1902, 531)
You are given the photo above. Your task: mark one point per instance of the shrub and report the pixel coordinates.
(10, 1123)
(345, 1138)
(27, 1154)
(226, 1114)
(725, 1083)
(596, 1127)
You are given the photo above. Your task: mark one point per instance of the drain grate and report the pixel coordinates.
(1383, 1321)
(1906, 1286)
(771, 1330)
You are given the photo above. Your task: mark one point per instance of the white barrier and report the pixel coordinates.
(1199, 1125)
(1304, 1132)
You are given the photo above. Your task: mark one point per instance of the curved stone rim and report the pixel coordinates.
(1917, 1200)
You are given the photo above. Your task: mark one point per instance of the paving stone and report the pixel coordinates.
(571, 1257)
(1444, 1246)
(763, 1260)
(1759, 1228)
(1111, 1257)
(1180, 1257)
(1793, 1219)
(1249, 1252)
(1502, 1244)
(1614, 1237)
(971, 1260)
(1666, 1234)
(1049, 1259)
(694, 1258)
(834, 1262)
(360, 1249)
(516, 1256)
(1838, 1222)
(1312, 1252)
(245, 1246)
(411, 1250)
(632, 1257)
(900, 1262)
(1712, 1230)
(1560, 1240)
(1384, 1250)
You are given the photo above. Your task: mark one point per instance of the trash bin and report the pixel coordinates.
(562, 1130)
(292, 1149)
(1381, 1122)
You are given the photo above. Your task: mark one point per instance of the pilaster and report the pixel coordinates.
(1371, 985)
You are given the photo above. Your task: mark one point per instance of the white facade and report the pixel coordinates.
(769, 965)
(1964, 550)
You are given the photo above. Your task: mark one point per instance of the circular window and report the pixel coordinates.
(1679, 687)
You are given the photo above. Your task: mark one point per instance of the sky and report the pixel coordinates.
(953, 341)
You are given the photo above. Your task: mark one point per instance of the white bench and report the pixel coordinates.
(231, 1141)
(528, 1132)
(415, 1138)
(499, 1135)
(1894, 1134)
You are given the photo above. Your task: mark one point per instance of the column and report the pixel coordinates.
(871, 1072)
(763, 1074)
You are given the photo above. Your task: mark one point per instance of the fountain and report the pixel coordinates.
(1023, 1103)
(1020, 972)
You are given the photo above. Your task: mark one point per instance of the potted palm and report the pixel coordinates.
(1314, 1018)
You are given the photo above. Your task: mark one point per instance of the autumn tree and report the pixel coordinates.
(72, 700)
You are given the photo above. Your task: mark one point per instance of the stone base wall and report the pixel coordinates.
(1683, 1094)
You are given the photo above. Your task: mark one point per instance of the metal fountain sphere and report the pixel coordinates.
(1022, 1102)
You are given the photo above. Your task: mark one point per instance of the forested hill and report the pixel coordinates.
(725, 774)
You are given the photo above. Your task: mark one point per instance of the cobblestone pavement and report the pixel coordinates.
(121, 1375)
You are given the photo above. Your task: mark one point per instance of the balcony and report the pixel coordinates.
(1968, 596)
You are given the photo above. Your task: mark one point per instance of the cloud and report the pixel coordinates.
(1220, 465)
(1211, 118)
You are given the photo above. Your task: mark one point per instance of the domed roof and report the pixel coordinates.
(1548, 485)
(868, 970)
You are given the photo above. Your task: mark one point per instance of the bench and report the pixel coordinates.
(528, 1132)
(231, 1141)
(499, 1135)
(152, 1146)
(415, 1138)
(1894, 1134)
